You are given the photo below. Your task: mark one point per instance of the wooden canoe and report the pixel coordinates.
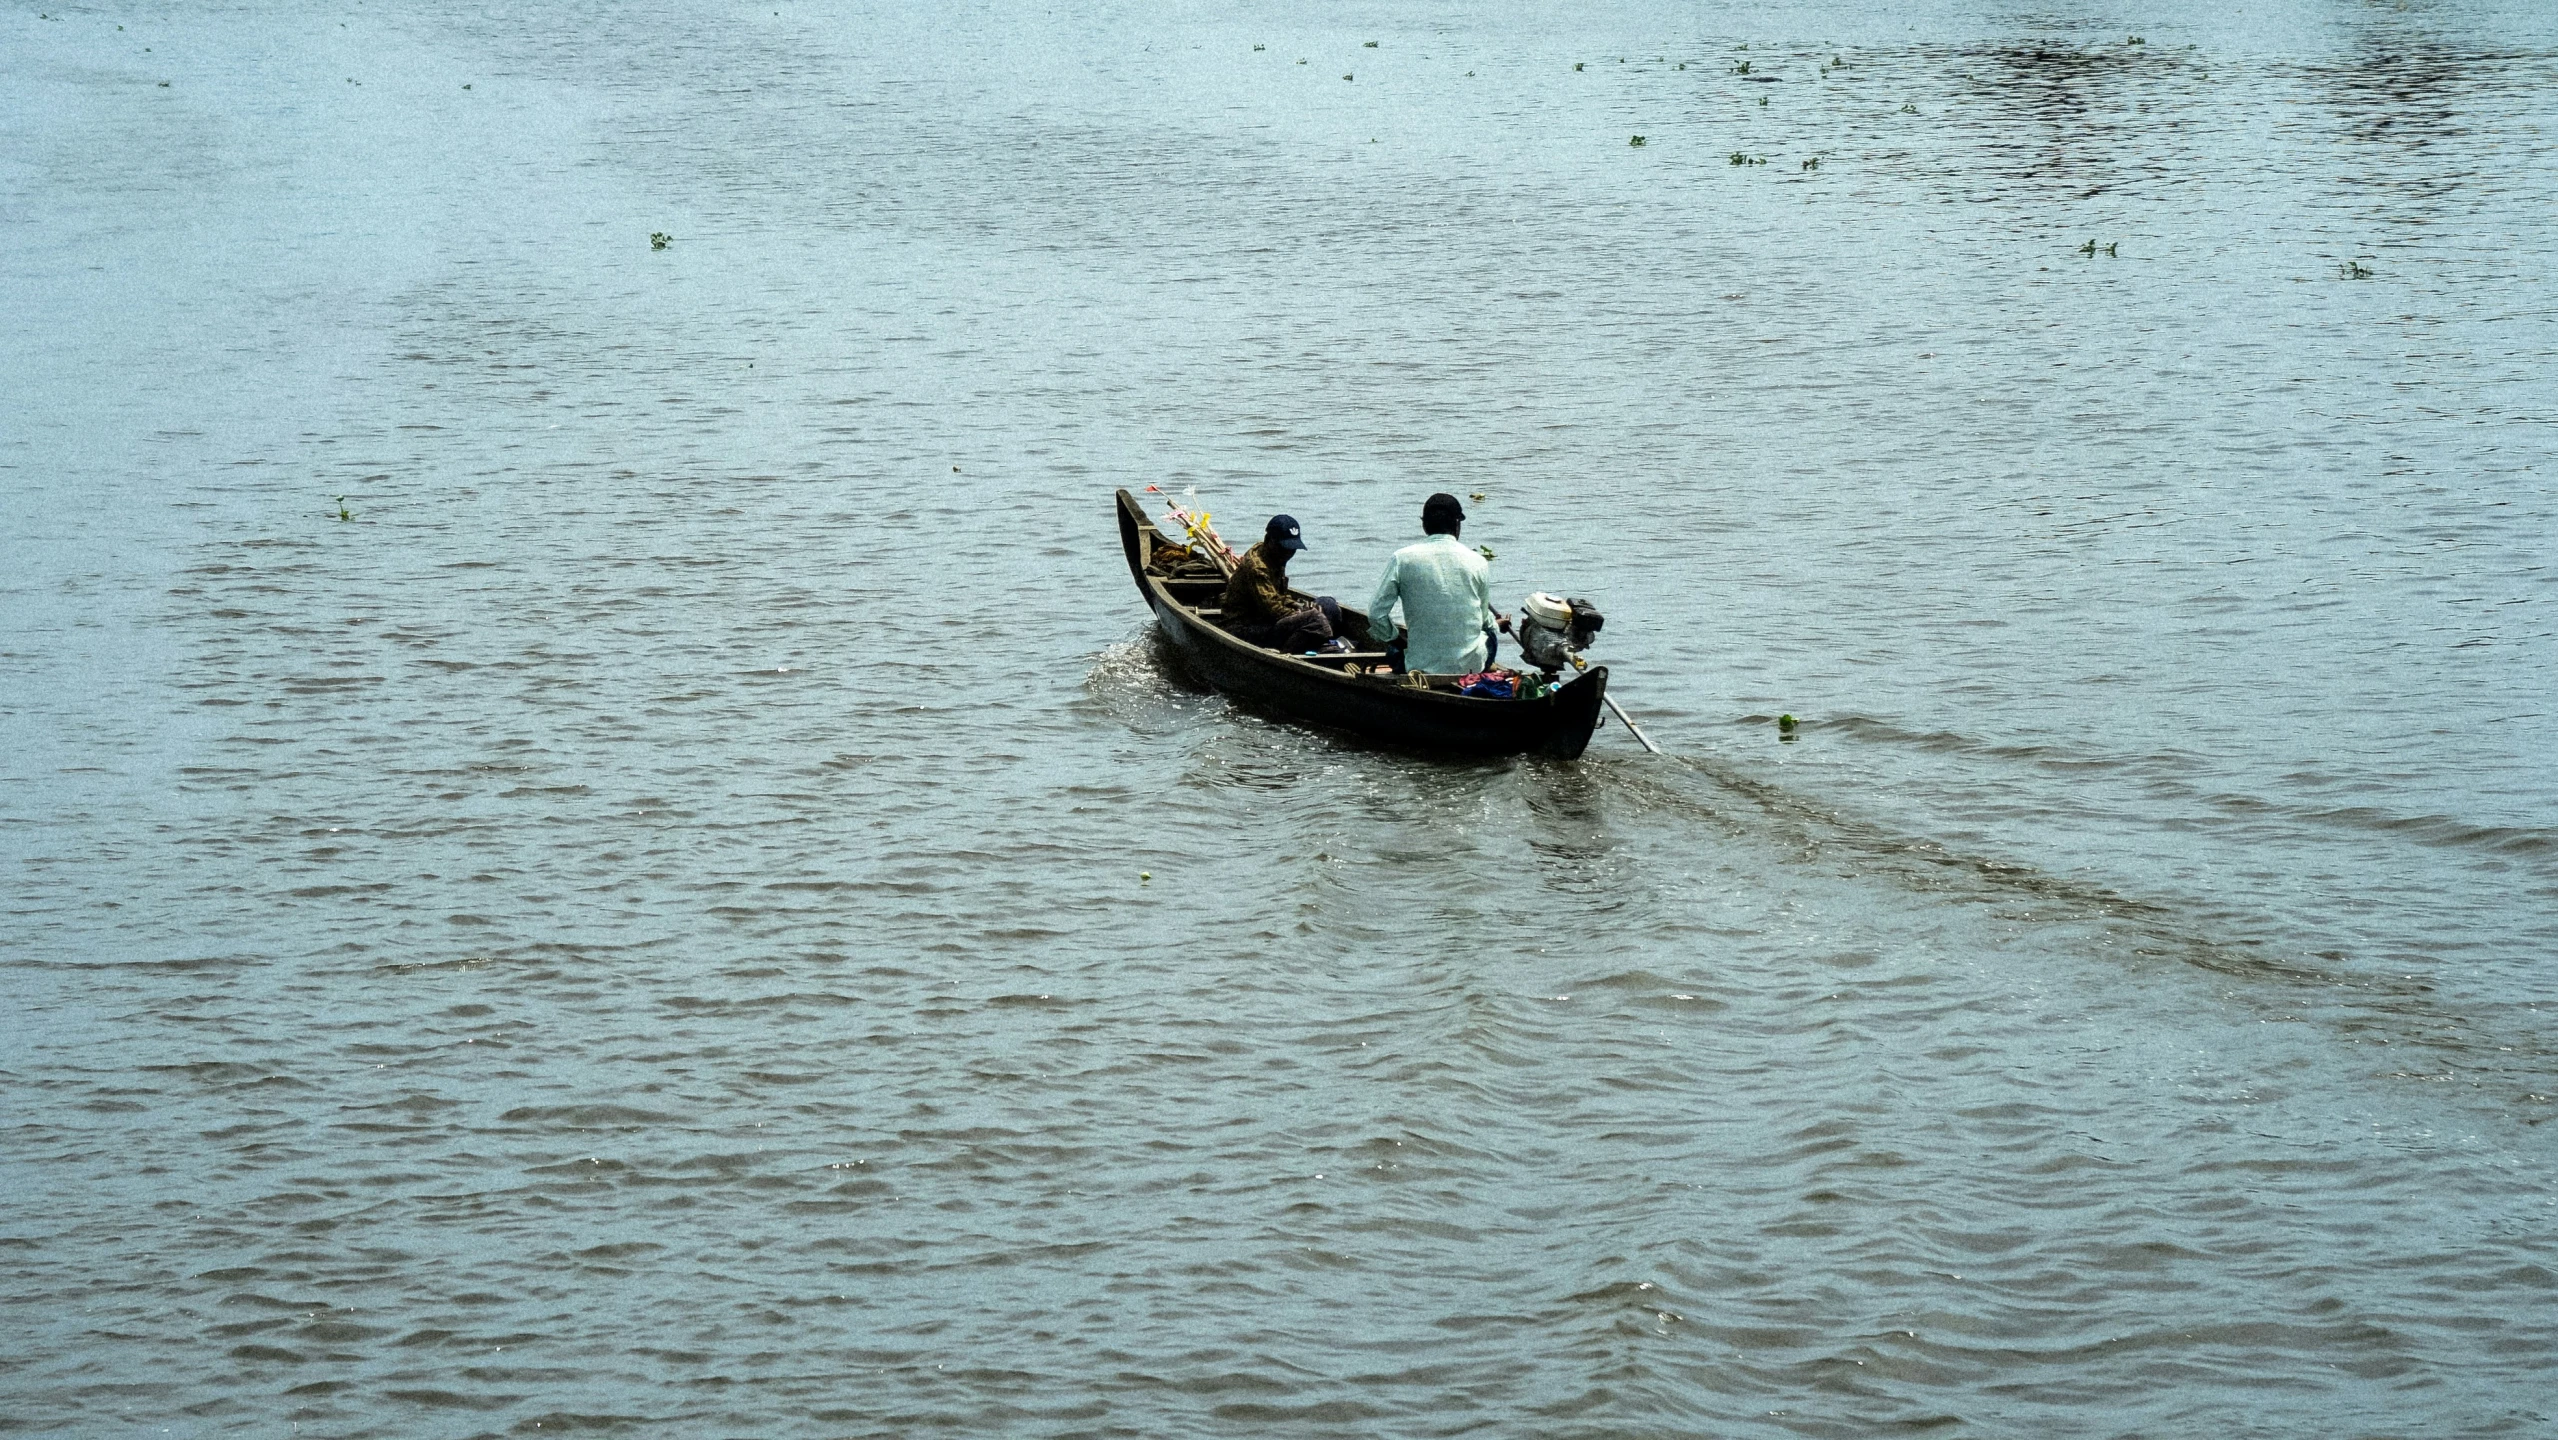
(1330, 690)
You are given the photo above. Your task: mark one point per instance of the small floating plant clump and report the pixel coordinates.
(659, 239)
(1636, 140)
(1814, 163)
(1741, 67)
(2092, 248)
(1740, 158)
(2354, 270)
(343, 512)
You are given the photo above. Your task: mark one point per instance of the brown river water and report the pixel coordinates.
(698, 907)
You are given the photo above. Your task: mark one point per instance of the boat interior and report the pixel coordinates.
(1197, 584)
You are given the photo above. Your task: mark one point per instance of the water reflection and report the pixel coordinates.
(2074, 120)
(1575, 852)
(2401, 95)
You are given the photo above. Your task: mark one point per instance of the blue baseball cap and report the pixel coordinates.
(1282, 532)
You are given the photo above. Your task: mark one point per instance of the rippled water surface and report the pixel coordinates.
(699, 908)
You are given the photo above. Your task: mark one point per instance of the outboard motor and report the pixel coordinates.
(1552, 628)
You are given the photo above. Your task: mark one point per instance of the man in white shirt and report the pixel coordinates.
(1446, 592)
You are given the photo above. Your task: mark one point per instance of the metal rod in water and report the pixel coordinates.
(1630, 726)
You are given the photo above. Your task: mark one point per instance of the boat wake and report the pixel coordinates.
(2428, 1037)
(1134, 682)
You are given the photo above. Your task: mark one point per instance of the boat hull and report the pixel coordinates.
(1381, 709)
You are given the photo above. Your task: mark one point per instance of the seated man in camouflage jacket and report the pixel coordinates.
(1258, 605)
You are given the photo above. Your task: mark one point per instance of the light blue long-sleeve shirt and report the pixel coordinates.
(1446, 590)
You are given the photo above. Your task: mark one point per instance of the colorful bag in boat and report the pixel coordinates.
(1489, 685)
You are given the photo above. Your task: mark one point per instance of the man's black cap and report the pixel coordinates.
(1282, 532)
(1442, 507)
